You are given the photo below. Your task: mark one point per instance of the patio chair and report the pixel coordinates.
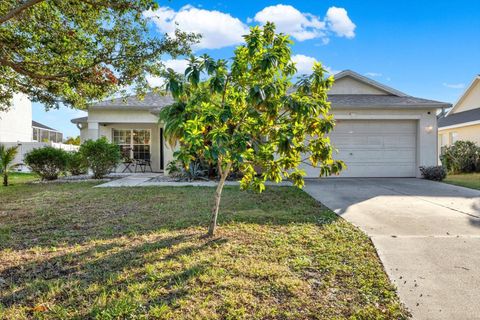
(143, 164)
(127, 161)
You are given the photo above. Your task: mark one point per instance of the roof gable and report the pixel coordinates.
(470, 99)
(350, 82)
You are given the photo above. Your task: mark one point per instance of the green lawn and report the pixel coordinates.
(469, 180)
(73, 251)
(15, 178)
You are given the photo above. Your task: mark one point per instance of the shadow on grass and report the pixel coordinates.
(72, 214)
(104, 266)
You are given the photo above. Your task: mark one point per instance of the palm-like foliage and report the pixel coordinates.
(241, 115)
(7, 155)
(173, 117)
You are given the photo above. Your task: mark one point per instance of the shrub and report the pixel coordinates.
(47, 162)
(100, 155)
(461, 157)
(76, 165)
(195, 171)
(435, 173)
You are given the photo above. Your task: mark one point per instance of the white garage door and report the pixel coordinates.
(374, 148)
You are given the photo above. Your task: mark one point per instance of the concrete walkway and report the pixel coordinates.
(144, 180)
(427, 235)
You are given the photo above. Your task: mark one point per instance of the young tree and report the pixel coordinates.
(71, 140)
(246, 117)
(72, 52)
(7, 155)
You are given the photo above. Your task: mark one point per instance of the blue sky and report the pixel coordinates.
(429, 49)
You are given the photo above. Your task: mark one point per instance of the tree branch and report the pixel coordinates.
(14, 12)
(28, 73)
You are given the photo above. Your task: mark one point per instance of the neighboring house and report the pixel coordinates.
(16, 123)
(18, 129)
(380, 131)
(462, 122)
(42, 133)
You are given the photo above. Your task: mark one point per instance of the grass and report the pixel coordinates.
(68, 250)
(15, 178)
(469, 180)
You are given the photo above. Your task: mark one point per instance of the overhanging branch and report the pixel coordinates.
(24, 6)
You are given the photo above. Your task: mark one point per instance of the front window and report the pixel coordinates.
(134, 143)
(453, 137)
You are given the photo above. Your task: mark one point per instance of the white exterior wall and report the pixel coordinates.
(102, 122)
(16, 123)
(426, 149)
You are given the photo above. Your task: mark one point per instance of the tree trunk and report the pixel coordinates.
(218, 196)
(5, 179)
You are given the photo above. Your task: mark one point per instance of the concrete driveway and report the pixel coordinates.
(427, 235)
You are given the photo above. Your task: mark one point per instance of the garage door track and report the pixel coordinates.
(427, 235)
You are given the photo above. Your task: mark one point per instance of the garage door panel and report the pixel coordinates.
(371, 156)
(400, 140)
(370, 127)
(374, 148)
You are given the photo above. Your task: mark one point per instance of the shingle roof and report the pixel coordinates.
(151, 101)
(459, 118)
(378, 101)
(42, 126)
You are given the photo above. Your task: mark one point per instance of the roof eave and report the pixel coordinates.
(392, 106)
(459, 125)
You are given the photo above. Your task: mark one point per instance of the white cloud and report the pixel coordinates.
(454, 85)
(305, 63)
(338, 21)
(155, 82)
(287, 19)
(373, 74)
(178, 65)
(218, 29)
(305, 26)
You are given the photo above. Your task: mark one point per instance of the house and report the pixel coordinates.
(42, 133)
(16, 124)
(462, 122)
(380, 131)
(18, 129)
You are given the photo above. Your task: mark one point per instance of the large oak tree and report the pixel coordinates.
(76, 51)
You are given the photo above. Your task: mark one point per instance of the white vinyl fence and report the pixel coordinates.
(25, 147)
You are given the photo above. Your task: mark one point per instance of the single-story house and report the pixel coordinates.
(462, 122)
(380, 131)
